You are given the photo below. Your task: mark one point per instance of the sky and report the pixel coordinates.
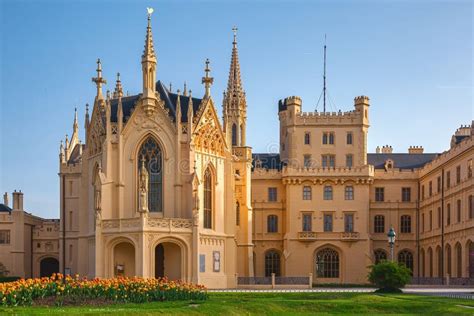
(413, 59)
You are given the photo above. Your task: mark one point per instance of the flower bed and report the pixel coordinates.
(59, 290)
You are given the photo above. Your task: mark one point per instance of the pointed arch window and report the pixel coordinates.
(327, 263)
(234, 135)
(208, 205)
(380, 255)
(237, 214)
(272, 263)
(406, 257)
(151, 152)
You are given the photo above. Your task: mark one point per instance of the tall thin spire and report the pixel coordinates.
(86, 121)
(118, 92)
(75, 125)
(324, 76)
(149, 96)
(207, 80)
(149, 51)
(235, 83)
(99, 80)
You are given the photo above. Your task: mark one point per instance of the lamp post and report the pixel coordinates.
(391, 241)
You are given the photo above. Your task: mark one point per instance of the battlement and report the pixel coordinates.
(415, 149)
(385, 149)
(362, 99)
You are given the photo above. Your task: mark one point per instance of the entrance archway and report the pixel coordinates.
(168, 261)
(124, 259)
(48, 266)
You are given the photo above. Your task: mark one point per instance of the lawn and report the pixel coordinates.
(275, 304)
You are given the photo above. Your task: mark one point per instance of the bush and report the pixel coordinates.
(389, 276)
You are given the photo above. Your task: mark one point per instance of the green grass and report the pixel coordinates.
(275, 304)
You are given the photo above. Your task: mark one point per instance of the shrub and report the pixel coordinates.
(389, 276)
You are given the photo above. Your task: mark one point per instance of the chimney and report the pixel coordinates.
(415, 149)
(5, 199)
(387, 149)
(377, 150)
(18, 201)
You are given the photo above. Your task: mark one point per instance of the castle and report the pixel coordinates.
(162, 187)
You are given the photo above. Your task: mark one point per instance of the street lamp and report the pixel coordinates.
(391, 241)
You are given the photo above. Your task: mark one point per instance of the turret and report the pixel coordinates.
(361, 104)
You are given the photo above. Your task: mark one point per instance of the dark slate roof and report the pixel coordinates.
(128, 104)
(400, 161)
(4, 208)
(459, 138)
(75, 156)
(267, 161)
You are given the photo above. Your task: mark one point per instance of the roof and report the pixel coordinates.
(400, 161)
(129, 102)
(4, 208)
(267, 161)
(459, 138)
(75, 156)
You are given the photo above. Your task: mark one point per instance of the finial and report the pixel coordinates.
(235, 29)
(118, 92)
(207, 80)
(178, 92)
(75, 125)
(185, 91)
(99, 80)
(171, 87)
(149, 12)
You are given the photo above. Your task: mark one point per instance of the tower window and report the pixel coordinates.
(208, 199)
(307, 138)
(349, 138)
(150, 152)
(234, 135)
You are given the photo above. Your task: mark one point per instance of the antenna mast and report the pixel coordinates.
(324, 76)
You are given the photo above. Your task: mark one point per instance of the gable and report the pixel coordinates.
(207, 131)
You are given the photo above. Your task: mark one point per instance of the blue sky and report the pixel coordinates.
(412, 58)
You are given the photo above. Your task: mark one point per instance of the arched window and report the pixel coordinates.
(439, 256)
(379, 224)
(208, 199)
(458, 260)
(234, 135)
(237, 214)
(150, 152)
(327, 263)
(327, 192)
(272, 263)
(406, 257)
(272, 224)
(430, 262)
(448, 260)
(405, 224)
(422, 264)
(380, 255)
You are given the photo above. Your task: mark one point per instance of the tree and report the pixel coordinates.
(389, 276)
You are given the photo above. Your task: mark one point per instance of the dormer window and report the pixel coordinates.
(389, 164)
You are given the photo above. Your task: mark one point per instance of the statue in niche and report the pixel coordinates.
(143, 188)
(97, 200)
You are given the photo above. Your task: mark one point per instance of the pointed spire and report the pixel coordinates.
(75, 125)
(234, 84)
(178, 108)
(149, 51)
(207, 80)
(171, 87)
(149, 69)
(185, 90)
(86, 123)
(118, 92)
(99, 80)
(119, 115)
(66, 147)
(190, 108)
(61, 152)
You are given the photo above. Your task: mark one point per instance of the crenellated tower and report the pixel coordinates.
(235, 104)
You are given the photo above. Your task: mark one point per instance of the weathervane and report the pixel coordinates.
(234, 29)
(149, 12)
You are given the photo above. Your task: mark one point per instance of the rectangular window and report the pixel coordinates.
(458, 215)
(272, 194)
(327, 192)
(471, 206)
(331, 138)
(379, 224)
(430, 188)
(272, 224)
(439, 217)
(349, 192)
(348, 223)
(307, 161)
(307, 138)
(439, 185)
(423, 192)
(448, 214)
(448, 179)
(349, 161)
(4, 237)
(328, 161)
(431, 220)
(349, 138)
(307, 195)
(469, 168)
(307, 224)
(202, 263)
(458, 174)
(328, 222)
(406, 194)
(379, 194)
(328, 138)
(422, 222)
(405, 223)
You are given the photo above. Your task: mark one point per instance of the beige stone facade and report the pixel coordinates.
(161, 187)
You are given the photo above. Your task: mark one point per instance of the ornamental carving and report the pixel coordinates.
(208, 135)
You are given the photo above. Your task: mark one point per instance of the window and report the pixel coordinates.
(327, 263)
(306, 193)
(406, 194)
(349, 161)
(4, 237)
(458, 174)
(208, 199)
(349, 138)
(448, 214)
(328, 161)
(234, 135)
(448, 179)
(272, 224)
(380, 255)
(349, 192)
(348, 223)
(405, 224)
(439, 185)
(307, 161)
(439, 217)
(430, 188)
(379, 194)
(272, 263)
(237, 214)
(150, 157)
(328, 222)
(423, 192)
(448, 258)
(328, 138)
(379, 224)
(307, 138)
(327, 192)
(471, 206)
(406, 257)
(431, 220)
(307, 223)
(458, 211)
(469, 168)
(423, 222)
(272, 194)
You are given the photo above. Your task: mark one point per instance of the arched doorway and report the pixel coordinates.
(48, 266)
(168, 261)
(124, 259)
(406, 257)
(272, 263)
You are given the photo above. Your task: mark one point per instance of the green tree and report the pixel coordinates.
(389, 276)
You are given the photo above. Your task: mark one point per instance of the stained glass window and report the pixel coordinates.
(150, 151)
